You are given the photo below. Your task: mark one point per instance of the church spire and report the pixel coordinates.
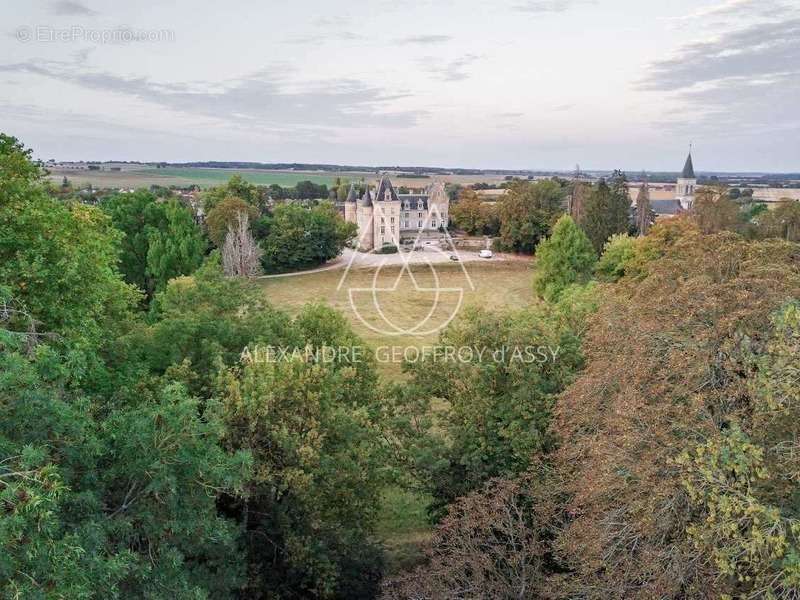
(688, 167)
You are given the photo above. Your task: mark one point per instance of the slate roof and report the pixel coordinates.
(383, 186)
(688, 168)
(413, 199)
(666, 207)
(352, 196)
(366, 199)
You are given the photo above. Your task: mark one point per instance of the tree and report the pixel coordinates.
(527, 212)
(226, 214)
(618, 256)
(302, 237)
(714, 211)
(563, 259)
(498, 397)
(57, 260)
(644, 217)
(607, 211)
(241, 255)
(495, 542)
(160, 239)
(236, 187)
(673, 360)
(468, 213)
(783, 221)
(308, 510)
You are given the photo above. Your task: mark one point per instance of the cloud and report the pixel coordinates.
(737, 8)
(510, 115)
(264, 99)
(452, 70)
(69, 8)
(743, 79)
(424, 39)
(550, 6)
(331, 36)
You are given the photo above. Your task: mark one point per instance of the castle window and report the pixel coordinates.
(383, 229)
(392, 219)
(420, 225)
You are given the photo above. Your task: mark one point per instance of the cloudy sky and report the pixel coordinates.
(500, 84)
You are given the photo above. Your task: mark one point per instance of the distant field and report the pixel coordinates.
(145, 177)
(498, 285)
(205, 177)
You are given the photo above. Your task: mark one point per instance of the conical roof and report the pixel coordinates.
(352, 196)
(384, 186)
(688, 168)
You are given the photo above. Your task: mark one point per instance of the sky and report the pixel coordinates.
(507, 84)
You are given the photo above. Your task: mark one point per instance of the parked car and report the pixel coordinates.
(453, 257)
(486, 254)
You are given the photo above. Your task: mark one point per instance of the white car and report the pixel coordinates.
(485, 254)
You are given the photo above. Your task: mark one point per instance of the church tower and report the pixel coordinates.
(687, 184)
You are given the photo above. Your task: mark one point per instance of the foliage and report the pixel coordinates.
(304, 237)
(236, 187)
(493, 543)
(714, 211)
(109, 501)
(618, 255)
(204, 322)
(607, 211)
(564, 258)
(496, 391)
(782, 222)
(387, 249)
(670, 366)
(310, 425)
(472, 214)
(57, 260)
(160, 239)
(224, 215)
(527, 212)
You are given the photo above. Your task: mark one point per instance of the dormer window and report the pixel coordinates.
(387, 195)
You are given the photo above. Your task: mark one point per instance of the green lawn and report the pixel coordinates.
(497, 285)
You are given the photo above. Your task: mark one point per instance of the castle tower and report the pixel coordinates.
(687, 184)
(438, 205)
(386, 215)
(350, 205)
(364, 210)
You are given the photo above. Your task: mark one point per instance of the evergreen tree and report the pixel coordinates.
(608, 210)
(565, 258)
(644, 215)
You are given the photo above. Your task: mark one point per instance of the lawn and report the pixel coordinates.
(494, 285)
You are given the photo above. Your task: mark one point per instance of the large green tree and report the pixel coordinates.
(161, 239)
(300, 237)
(607, 211)
(527, 212)
(563, 259)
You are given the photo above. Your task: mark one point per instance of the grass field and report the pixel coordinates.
(497, 285)
(135, 177)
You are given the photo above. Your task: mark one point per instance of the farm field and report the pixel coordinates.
(206, 177)
(497, 285)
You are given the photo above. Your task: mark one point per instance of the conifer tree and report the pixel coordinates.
(565, 258)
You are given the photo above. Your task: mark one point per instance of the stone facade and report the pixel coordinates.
(386, 218)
